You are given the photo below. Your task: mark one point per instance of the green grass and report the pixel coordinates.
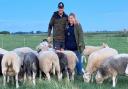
(13, 41)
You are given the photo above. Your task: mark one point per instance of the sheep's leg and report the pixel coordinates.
(67, 76)
(4, 80)
(24, 77)
(53, 70)
(92, 79)
(40, 74)
(59, 75)
(13, 80)
(114, 81)
(8, 78)
(33, 78)
(48, 76)
(72, 77)
(16, 78)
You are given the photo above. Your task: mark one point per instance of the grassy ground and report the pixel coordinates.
(10, 42)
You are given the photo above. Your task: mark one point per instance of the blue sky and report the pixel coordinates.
(94, 15)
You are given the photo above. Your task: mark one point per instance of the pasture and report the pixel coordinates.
(10, 42)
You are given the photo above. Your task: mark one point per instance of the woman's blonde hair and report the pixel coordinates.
(76, 21)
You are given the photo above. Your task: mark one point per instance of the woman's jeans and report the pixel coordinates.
(79, 64)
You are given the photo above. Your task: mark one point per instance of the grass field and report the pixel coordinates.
(10, 42)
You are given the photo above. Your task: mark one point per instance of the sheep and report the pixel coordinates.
(90, 49)
(112, 67)
(3, 51)
(1, 56)
(72, 60)
(94, 61)
(47, 61)
(11, 64)
(63, 64)
(30, 66)
(71, 56)
(22, 51)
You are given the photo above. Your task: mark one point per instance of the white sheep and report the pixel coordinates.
(90, 49)
(22, 51)
(95, 60)
(48, 60)
(11, 64)
(111, 68)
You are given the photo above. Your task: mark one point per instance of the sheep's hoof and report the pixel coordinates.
(17, 86)
(34, 83)
(40, 79)
(60, 77)
(113, 86)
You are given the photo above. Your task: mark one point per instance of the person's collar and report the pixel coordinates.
(60, 14)
(71, 24)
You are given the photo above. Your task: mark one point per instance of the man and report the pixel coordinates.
(58, 24)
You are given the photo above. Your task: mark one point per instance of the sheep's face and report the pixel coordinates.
(87, 77)
(42, 46)
(99, 78)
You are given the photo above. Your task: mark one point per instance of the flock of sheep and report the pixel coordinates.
(25, 63)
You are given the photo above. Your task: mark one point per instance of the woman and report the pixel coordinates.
(74, 40)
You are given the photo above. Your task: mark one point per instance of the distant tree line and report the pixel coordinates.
(4, 32)
(123, 33)
(21, 32)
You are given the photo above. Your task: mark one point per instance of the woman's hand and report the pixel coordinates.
(49, 39)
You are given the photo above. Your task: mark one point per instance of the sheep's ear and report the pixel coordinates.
(44, 40)
(39, 50)
(105, 44)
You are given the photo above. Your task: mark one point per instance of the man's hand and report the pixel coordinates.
(49, 39)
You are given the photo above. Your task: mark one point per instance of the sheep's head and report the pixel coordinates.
(42, 46)
(99, 78)
(87, 77)
(101, 75)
